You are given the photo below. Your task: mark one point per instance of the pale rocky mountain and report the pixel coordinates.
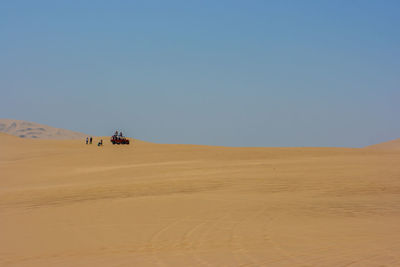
(25, 129)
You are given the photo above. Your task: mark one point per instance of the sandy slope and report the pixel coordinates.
(391, 145)
(64, 203)
(26, 129)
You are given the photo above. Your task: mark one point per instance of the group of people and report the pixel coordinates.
(89, 140)
(118, 138)
(118, 134)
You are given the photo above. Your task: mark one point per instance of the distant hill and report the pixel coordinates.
(391, 145)
(25, 129)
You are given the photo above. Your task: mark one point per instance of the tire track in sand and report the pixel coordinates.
(201, 239)
(268, 236)
(152, 244)
(237, 243)
(369, 259)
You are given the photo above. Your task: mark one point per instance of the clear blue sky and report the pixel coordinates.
(236, 73)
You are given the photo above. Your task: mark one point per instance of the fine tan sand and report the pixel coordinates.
(65, 203)
(27, 129)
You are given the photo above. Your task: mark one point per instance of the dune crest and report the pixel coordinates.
(390, 145)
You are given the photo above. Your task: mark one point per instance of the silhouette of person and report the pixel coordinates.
(91, 139)
(87, 139)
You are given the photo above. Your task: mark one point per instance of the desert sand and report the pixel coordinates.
(65, 203)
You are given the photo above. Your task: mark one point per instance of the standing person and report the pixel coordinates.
(87, 139)
(91, 139)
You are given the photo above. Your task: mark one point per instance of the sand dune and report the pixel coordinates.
(64, 203)
(391, 145)
(25, 129)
